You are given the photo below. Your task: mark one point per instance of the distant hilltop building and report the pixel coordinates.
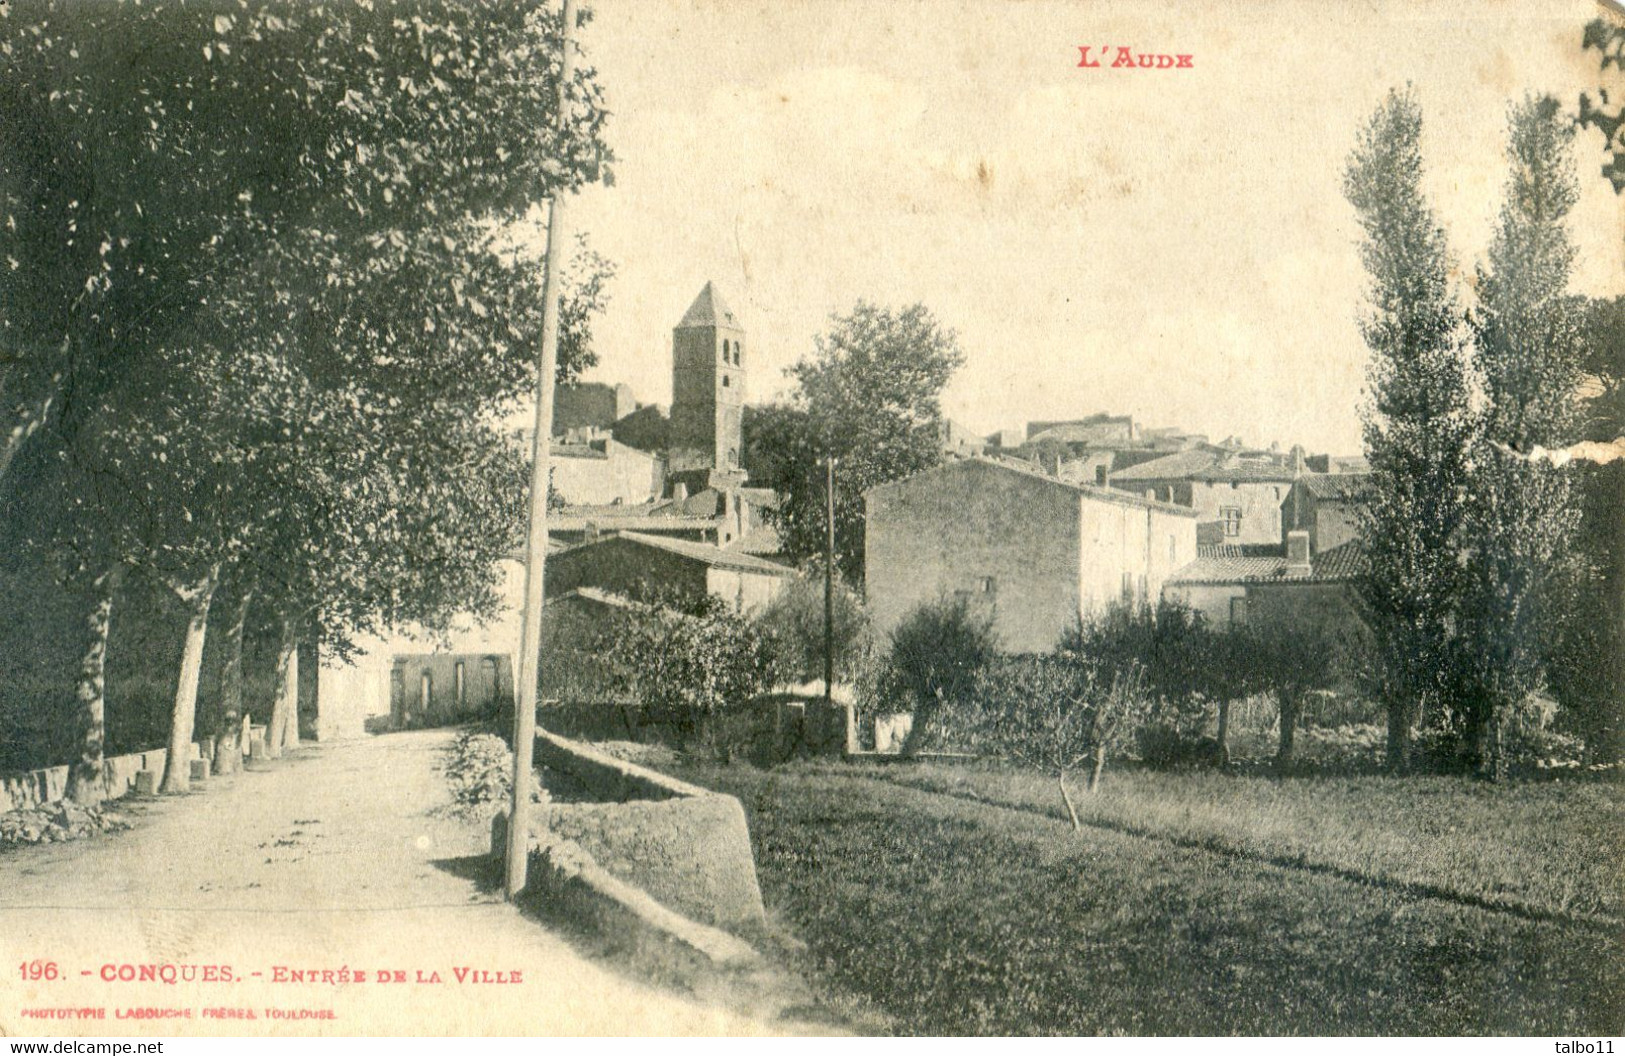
(590, 405)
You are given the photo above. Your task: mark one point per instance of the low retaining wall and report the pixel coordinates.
(37, 787)
(687, 846)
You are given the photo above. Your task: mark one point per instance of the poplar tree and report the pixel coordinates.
(1417, 426)
(1522, 513)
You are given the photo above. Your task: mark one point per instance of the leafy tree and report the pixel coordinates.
(146, 148)
(1606, 115)
(795, 621)
(1184, 664)
(1292, 661)
(1522, 514)
(693, 671)
(870, 396)
(339, 249)
(1417, 424)
(936, 655)
(1054, 713)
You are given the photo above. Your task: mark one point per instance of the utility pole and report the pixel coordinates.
(850, 724)
(829, 578)
(530, 633)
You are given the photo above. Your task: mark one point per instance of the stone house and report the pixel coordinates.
(592, 468)
(1037, 552)
(1327, 506)
(1238, 494)
(632, 562)
(590, 405)
(1295, 586)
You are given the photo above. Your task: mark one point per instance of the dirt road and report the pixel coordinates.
(327, 860)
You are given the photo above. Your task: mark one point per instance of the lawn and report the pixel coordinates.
(1548, 847)
(951, 916)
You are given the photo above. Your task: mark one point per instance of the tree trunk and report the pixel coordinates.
(1099, 767)
(85, 785)
(290, 734)
(1223, 735)
(1397, 755)
(28, 410)
(1489, 743)
(287, 688)
(1066, 797)
(228, 753)
(178, 763)
(1291, 709)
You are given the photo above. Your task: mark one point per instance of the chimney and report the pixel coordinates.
(1297, 553)
(1298, 460)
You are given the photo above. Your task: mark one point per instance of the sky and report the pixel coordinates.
(1171, 244)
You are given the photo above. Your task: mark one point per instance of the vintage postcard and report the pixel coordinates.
(970, 517)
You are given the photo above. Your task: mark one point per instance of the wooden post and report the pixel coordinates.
(530, 633)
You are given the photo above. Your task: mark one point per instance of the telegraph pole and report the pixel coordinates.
(829, 578)
(530, 633)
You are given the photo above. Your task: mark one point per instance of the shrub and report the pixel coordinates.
(795, 622)
(937, 654)
(692, 671)
(479, 768)
(1054, 714)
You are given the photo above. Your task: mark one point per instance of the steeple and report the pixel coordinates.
(708, 310)
(707, 389)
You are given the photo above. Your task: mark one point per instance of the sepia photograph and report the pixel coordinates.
(812, 518)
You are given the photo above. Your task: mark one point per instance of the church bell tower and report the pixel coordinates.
(707, 393)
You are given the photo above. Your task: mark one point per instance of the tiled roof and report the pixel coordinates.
(710, 555)
(662, 516)
(1182, 465)
(1016, 465)
(1242, 471)
(1232, 564)
(602, 597)
(577, 451)
(1339, 487)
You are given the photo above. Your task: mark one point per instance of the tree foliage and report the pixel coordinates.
(795, 621)
(1054, 713)
(693, 669)
(1607, 35)
(868, 396)
(145, 149)
(1418, 426)
(936, 655)
(1522, 514)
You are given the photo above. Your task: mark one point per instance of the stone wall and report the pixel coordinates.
(687, 846)
(1006, 540)
(35, 787)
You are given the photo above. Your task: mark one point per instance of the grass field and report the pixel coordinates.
(953, 916)
(1551, 847)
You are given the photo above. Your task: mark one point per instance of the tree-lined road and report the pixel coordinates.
(329, 859)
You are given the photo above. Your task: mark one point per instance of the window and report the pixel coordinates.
(460, 684)
(427, 691)
(725, 381)
(1230, 516)
(725, 351)
(1238, 612)
(488, 675)
(1128, 588)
